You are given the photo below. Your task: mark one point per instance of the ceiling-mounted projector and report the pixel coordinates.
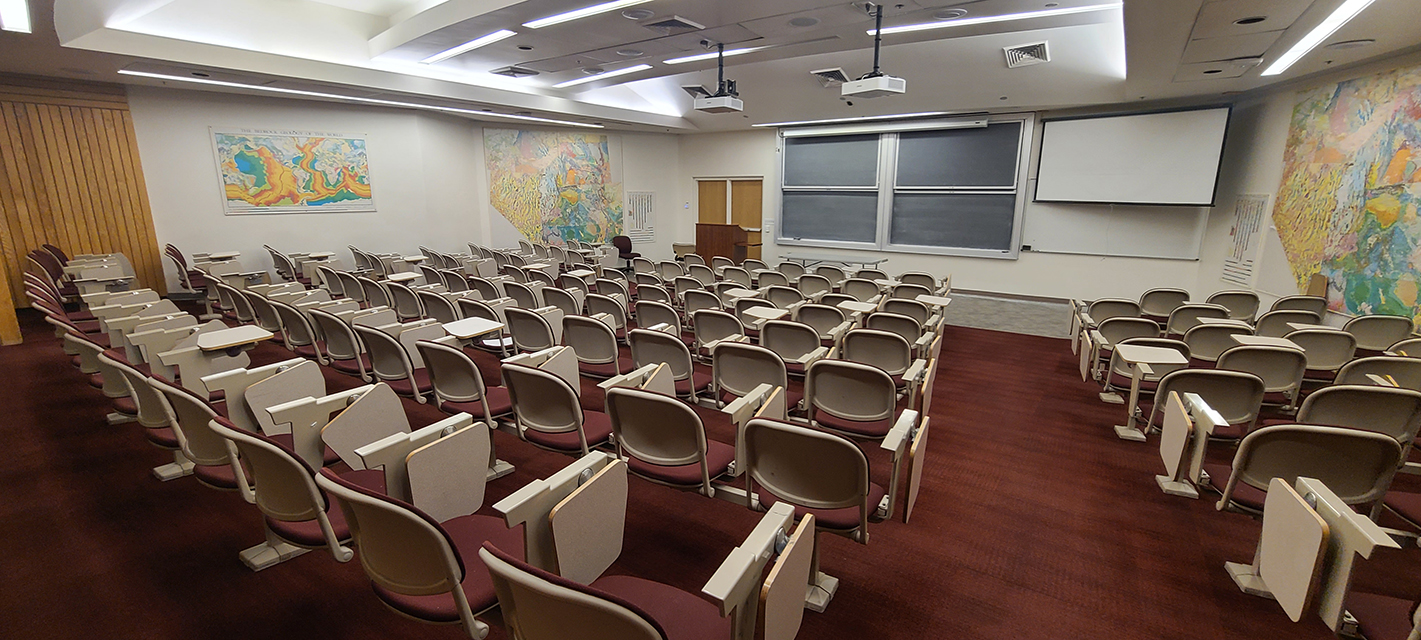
(726, 98)
(874, 84)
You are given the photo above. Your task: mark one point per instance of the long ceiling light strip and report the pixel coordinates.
(602, 76)
(15, 16)
(376, 101)
(501, 34)
(896, 116)
(964, 22)
(581, 13)
(1321, 32)
(712, 55)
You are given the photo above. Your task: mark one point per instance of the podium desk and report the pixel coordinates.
(1140, 358)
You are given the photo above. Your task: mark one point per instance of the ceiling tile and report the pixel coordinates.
(1231, 47)
(1217, 19)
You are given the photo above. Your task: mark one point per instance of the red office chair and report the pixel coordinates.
(624, 249)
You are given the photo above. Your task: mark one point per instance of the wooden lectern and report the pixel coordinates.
(725, 240)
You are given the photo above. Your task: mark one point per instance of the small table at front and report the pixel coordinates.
(809, 260)
(1139, 358)
(469, 329)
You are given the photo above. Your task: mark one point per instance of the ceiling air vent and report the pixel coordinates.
(1027, 54)
(515, 71)
(671, 25)
(830, 77)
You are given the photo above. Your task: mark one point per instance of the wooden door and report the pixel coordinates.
(710, 206)
(745, 210)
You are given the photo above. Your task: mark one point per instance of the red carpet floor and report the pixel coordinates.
(1034, 522)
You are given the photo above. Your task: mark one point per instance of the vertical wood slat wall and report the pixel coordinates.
(70, 176)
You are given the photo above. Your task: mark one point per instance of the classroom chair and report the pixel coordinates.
(713, 325)
(1326, 350)
(437, 306)
(835, 274)
(909, 291)
(862, 290)
(459, 387)
(850, 398)
(1394, 412)
(420, 567)
(530, 330)
(1315, 304)
(737, 368)
(1275, 324)
(391, 364)
(297, 333)
(663, 440)
(189, 418)
(1186, 317)
(883, 349)
(1280, 368)
(1237, 397)
(657, 347)
(1404, 372)
(147, 408)
(1156, 304)
(1376, 333)
(773, 278)
(598, 304)
(650, 313)
(550, 415)
(798, 344)
(1118, 374)
(563, 300)
(1242, 305)
(595, 345)
(342, 348)
(1208, 341)
(1357, 465)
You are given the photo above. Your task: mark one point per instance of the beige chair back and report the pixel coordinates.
(643, 265)
(487, 290)
(296, 328)
(701, 273)
(1274, 324)
(791, 270)
(1242, 305)
(388, 359)
(453, 374)
(1405, 371)
(375, 295)
(686, 284)
(920, 278)
(822, 317)
(454, 280)
(341, 343)
(656, 347)
(521, 294)
(1315, 304)
(592, 340)
(791, 340)
(835, 274)
(712, 325)
(1280, 368)
(654, 293)
(739, 368)
(650, 313)
(150, 407)
(849, 390)
(530, 330)
(1356, 465)
(1395, 412)
(1121, 328)
(885, 350)
(599, 304)
(737, 275)
(1326, 349)
(782, 296)
(773, 279)
(1106, 308)
(1161, 302)
(911, 308)
(1187, 316)
(544, 402)
(407, 304)
(437, 306)
(1235, 395)
(265, 315)
(1208, 341)
(544, 606)
(693, 258)
(402, 549)
(190, 419)
(812, 283)
(860, 289)
(809, 468)
(658, 429)
(909, 291)
(562, 300)
(897, 323)
(1379, 332)
(879, 274)
(351, 286)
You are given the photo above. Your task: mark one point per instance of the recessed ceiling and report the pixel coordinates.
(1159, 49)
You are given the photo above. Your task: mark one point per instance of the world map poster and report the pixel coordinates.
(554, 186)
(292, 172)
(1348, 204)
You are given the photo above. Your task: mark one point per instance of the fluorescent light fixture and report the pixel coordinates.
(964, 22)
(600, 76)
(501, 34)
(15, 15)
(711, 56)
(581, 13)
(1339, 17)
(333, 96)
(896, 116)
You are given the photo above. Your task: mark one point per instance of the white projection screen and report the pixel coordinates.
(1167, 158)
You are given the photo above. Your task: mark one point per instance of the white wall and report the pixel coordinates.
(429, 180)
(754, 154)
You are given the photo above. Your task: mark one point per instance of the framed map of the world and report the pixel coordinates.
(292, 172)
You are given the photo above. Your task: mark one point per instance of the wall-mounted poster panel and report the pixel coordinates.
(555, 186)
(1348, 203)
(277, 171)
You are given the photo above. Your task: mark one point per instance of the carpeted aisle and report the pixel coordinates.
(1034, 522)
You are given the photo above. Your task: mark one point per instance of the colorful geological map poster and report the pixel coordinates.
(1348, 204)
(554, 186)
(292, 172)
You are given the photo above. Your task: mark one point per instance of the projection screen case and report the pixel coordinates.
(1169, 158)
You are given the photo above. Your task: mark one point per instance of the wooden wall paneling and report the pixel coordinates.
(72, 177)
